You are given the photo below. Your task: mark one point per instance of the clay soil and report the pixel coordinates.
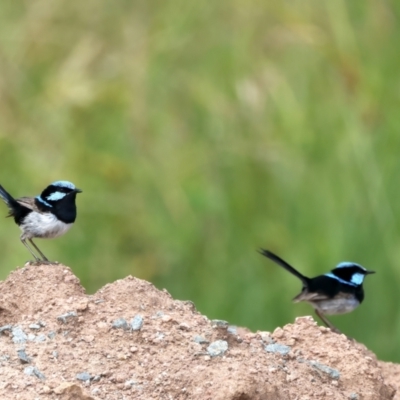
(132, 341)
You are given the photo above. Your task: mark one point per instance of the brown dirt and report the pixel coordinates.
(162, 360)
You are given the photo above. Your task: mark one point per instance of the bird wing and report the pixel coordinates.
(28, 202)
(313, 296)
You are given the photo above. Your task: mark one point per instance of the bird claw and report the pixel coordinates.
(42, 262)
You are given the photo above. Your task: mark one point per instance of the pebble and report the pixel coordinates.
(34, 326)
(200, 339)
(83, 376)
(5, 328)
(51, 335)
(18, 335)
(137, 322)
(219, 323)
(217, 348)
(333, 373)
(278, 333)
(232, 329)
(63, 318)
(23, 357)
(277, 348)
(40, 338)
(120, 323)
(34, 372)
(184, 326)
(266, 337)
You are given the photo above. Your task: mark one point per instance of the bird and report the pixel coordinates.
(46, 216)
(339, 291)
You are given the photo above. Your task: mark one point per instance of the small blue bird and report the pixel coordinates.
(337, 292)
(46, 216)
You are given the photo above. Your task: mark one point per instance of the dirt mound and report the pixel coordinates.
(132, 341)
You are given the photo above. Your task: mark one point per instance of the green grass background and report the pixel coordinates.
(201, 131)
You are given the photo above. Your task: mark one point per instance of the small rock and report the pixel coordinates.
(200, 339)
(102, 325)
(83, 376)
(18, 335)
(159, 314)
(5, 328)
(266, 337)
(34, 372)
(46, 390)
(277, 348)
(34, 326)
(71, 391)
(333, 373)
(217, 348)
(51, 335)
(278, 333)
(40, 338)
(137, 323)
(219, 323)
(82, 304)
(232, 329)
(64, 318)
(184, 326)
(31, 337)
(120, 323)
(23, 357)
(166, 318)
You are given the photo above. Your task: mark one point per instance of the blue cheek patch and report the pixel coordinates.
(352, 283)
(43, 202)
(55, 196)
(357, 279)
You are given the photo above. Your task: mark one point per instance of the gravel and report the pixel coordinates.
(18, 335)
(137, 322)
(83, 376)
(23, 357)
(120, 323)
(332, 372)
(65, 317)
(200, 339)
(277, 348)
(33, 371)
(217, 348)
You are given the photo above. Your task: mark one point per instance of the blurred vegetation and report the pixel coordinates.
(201, 131)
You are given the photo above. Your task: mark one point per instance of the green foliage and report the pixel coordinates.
(200, 131)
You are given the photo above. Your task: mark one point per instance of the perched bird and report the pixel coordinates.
(46, 216)
(337, 292)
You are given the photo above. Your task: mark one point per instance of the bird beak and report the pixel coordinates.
(370, 272)
(78, 190)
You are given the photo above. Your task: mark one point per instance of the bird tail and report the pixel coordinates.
(285, 265)
(12, 204)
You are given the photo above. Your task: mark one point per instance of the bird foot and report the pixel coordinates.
(42, 262)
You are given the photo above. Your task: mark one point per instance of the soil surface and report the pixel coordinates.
(132, 341)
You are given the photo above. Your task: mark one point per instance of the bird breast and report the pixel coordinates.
(42, 225)
(339, 305)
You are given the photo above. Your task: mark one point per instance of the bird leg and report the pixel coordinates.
(30, 250)
(326, 322)
(44, 258)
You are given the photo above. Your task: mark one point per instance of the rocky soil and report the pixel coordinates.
(132, 341)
